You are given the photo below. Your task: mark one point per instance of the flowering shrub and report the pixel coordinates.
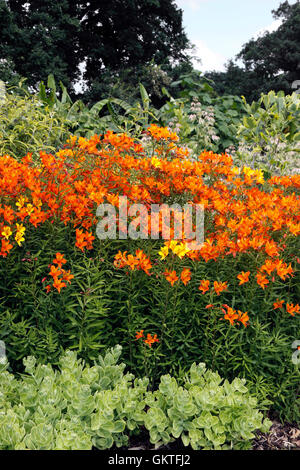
(78, 406)
(233, 303)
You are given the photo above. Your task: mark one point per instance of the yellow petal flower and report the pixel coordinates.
(6, 233)
(164, 252)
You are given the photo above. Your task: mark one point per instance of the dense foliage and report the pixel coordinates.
(43, 37)
(78, 406)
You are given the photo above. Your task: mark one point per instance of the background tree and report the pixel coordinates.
(40, 37)
(271, 62)
(276, 55)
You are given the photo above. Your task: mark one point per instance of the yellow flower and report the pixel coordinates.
(260, 176)
(20, 229)
(155, 162)
(181, 250)
(21, 201)
(6, 233)
(164, 252)
(19, 238)
(29, 208)
(248, 171)
(172, 245)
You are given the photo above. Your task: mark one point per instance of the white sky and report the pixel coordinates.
(219, 28)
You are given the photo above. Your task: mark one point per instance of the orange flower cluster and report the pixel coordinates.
(219, 287)
(290, 308)
(232, 315)
(244, 214)
(149, 339)
(262, 281)
(84, 240)
(185, 276)
(283, 270)
(58, 274)
(159, 133)
(139, 261)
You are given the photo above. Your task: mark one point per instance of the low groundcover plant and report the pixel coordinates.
(80, 406)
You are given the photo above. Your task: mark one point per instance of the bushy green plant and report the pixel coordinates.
(269, 133)
(205, 412)
(110, 113)
(80, 406)
(202, 119)
(75, 407)
(27, 126)
(44, 120)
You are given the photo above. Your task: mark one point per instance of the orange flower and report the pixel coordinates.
(67, 276)
(139, 334)
(243, 318)
(269, 266)
(80, 240)
(278, 304)
(171, 276)
(243, 277)
(58, 284)
(230, 315)
(283, 270)
(220, 287)
(59, 260)
(120, 259)
(262, 281)
(292, 309)
(204, 286)
(132, 262)
(54, 271)
(151, 339)
(185, 276)
(6, 232)
(5, 248)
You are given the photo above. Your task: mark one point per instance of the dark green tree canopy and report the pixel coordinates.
(279, 51)
(119, 34)
(40, 37)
